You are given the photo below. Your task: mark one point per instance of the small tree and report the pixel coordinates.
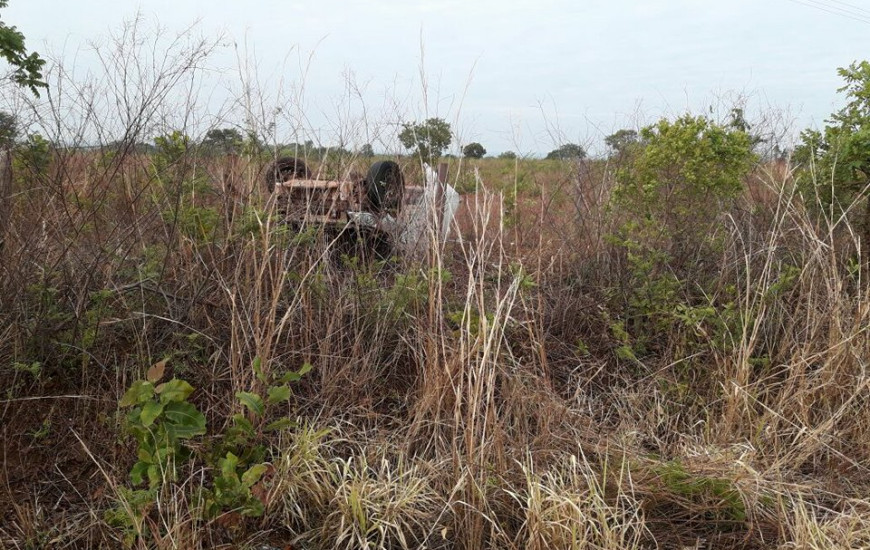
(508, 155)
(428, 139)
(621, 141)
(27, 66)
(688, 169)
(836, 160)
(668, 204)
(670, 195)
(568, 151)
(223, 141)
(367, 151)
(738, 122)
(473, 151)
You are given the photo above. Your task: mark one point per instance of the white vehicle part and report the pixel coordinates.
(416, 222)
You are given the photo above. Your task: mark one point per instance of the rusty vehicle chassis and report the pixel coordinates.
(320, 201)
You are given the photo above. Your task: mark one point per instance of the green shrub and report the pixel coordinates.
(688, 172)
(160, 420)
(567, 151)
(474, 151)
(667, 207)
(33, 157)
(834, 163)
(240, 453)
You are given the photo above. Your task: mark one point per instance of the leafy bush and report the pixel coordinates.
(688, 172)
(8, 129)
(240, 453)
(667, 205)
(160, 419)
(621, 141)
(222, 141)
(835, 161)
(367, 151)
(32, 157)
(170, 149)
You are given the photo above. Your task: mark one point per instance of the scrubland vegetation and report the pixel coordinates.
(664, 348)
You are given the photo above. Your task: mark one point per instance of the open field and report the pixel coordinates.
(666, 347)
(507, 390)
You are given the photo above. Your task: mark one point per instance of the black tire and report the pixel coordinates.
(385, 187)
(285, 169)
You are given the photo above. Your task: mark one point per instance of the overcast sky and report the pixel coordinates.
(515, 75)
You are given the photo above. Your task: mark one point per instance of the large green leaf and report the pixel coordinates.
(295, 376)
(252, 401)
(228, 466)
(243, 425)
(184, 421)
(253, 474)
(278, 394)
(144, 456)
(291, 376)
(150, 412)
(154, 475)
(174, 390)
(279, 425)
(140, 391)
(253, 508)
(163, 453)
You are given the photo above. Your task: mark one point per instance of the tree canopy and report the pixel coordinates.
(687, 169)
(427, 139)
(367, 151)
(223, 141)
(620, 141)
(474, 151)
(27, 67)
(567, 151)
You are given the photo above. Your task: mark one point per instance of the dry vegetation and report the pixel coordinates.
(500, 392)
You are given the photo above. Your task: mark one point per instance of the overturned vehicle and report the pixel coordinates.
(378, 213)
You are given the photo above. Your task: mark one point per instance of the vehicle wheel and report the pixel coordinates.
(385, 186)
(285, 169)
